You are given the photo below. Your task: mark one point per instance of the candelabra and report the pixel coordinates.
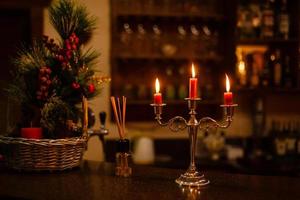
(192, 177)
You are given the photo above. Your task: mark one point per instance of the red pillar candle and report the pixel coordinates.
(157, 95)
(193, 85)
(31, 133)
(228, 97)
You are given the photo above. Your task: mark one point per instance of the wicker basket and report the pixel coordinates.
(42, 154)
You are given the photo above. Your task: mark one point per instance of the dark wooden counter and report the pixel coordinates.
(97, 181)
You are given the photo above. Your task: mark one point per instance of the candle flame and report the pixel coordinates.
(227, 83)
(193, 70)
(157, 86)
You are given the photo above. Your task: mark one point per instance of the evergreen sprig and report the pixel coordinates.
(67, 18)
(30, 57)
(51, 77)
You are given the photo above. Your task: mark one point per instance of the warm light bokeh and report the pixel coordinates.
(242, 68)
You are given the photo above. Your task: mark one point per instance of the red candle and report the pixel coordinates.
(228, 97)
(157, 95)
(193, 85)
(31, 133)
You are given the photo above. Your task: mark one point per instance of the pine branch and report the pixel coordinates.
(29, 58)
(89, 57)
(67, 18)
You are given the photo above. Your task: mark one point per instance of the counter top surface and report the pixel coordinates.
(97, 181)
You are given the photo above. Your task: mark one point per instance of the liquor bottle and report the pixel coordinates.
(290, 140)
(297, 133)
(273, 133)
(280, 143)
(277, 69)
(268, 20)
(244, 23)
(259, 117)
(266, 71)
(170, 89)
(182, 87)
(283, 21)
(287, 73)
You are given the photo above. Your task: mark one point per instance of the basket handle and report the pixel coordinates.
(85, 117)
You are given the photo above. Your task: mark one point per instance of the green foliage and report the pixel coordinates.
(52, 77)
(67, 18)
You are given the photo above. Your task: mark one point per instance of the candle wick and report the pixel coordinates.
(31, 124)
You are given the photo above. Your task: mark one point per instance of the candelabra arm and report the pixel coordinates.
(175, 124)
(207, 122)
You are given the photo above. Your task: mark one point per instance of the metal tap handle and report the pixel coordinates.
(102, 116)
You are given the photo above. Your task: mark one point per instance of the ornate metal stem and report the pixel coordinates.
(192, 177)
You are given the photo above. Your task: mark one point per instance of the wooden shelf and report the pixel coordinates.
(175, 102)
(269, 90)
(258, 41)
(200, 14)
(215, 58)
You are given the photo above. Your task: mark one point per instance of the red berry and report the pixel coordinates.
(91, 88)
(76, 40)
(60, 58)
(48, 82)
(74, 46)
(68, 46)
(43, 79)
(75, 85)
(69, 54)
(48, 70)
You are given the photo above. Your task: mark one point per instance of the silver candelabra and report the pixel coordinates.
(192, 177)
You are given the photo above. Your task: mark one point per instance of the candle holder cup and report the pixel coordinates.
(192, 177)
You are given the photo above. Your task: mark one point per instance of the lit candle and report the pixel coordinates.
(228, 99)
(193, 84)
(157, 95)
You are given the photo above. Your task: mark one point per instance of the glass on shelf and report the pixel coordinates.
(195, 44)
(126, 40)
(156, 39)
(141, 43)
(182, 39)
(210, 40)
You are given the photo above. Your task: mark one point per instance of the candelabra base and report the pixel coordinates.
(194, 179)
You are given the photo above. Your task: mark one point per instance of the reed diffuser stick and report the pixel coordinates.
(124, 113)
(120, 116)
(113, 102)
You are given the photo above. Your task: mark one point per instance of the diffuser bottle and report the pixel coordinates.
(123, 158)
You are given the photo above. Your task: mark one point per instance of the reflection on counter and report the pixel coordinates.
(278, 153)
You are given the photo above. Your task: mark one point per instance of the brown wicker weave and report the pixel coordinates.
(42, 154)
